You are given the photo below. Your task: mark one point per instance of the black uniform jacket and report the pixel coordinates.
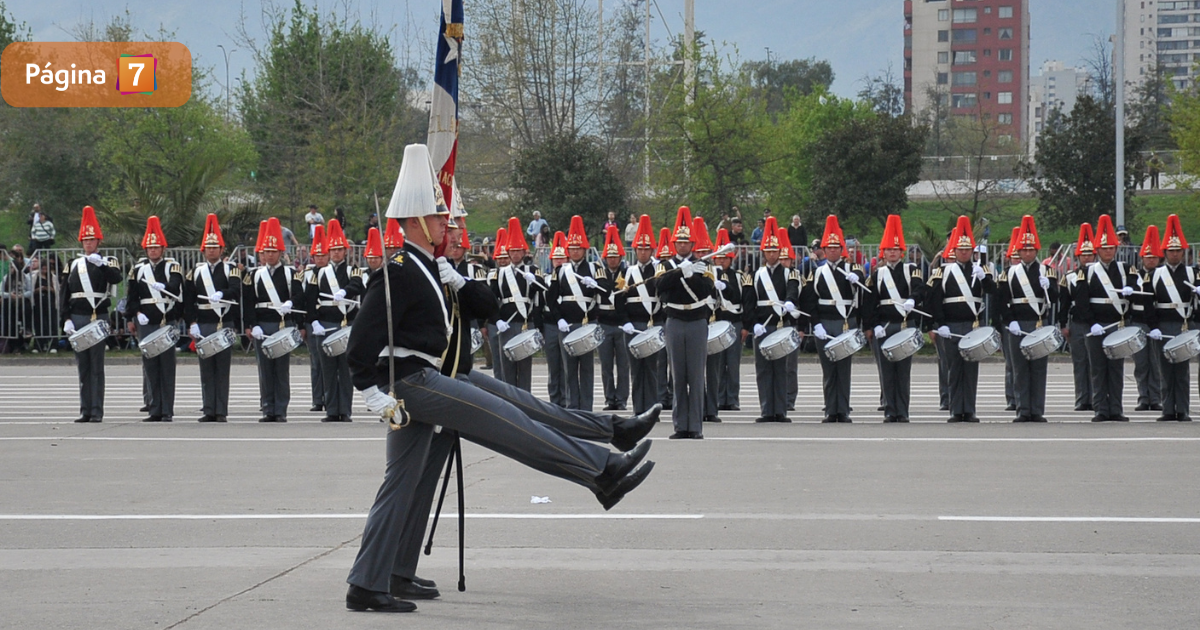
(227, 279)
(138, 298)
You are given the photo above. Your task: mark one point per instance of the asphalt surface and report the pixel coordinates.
(926, 525)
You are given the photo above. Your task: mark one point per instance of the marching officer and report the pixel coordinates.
(611, 315)
(211, 297)
(1146, 366)
(767, 305)
(572, 299)
(155, 283)
(666, 251)
(331, 306)
(267, 307)
(641, 306)
(86, 300)
(830, 295)
(724, 372)
(895, 288)
(1101, 302)
(686, 293)
(319, 255)
(956, 301)
(556, 386)
(1173, 304)
(1026, 292)
(514, 288)
(1074, 331)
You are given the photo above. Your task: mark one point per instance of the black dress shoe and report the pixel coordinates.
(360, 599)
(782, 419)
(1011, 408)
(844, 419)
(680, 435)
(330, 419)
(711, 419)
(1142, 407)
(829, 420)
(266, 419)
(152, 419)
(695, 435)
(944, 408)
(1038, 419)
(166, 419)
(207, 419)
(279, 419)
(344, 419)
(956, 418)
(1179, 417)
(619, 466)
(627, 485)
(724, 407)
(1023, 419)
(144, 408)
(1100, 418)
(889, 419)
(95, 419)
(611, 407)
(1156, 408)
(627, 432)
(317, 408)
(1118, 418)
(666, 406)
(425, 583)
(970, 417)
(82, 420)
(220, 419)
(764, 419)
(901, 420)
(881, 408)
(1166, 417)
(405, 588)
(791, 407)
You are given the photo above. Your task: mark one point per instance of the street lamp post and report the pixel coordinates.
(1119, 95)
(226, 56)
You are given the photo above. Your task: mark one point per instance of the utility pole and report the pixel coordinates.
(1119, 79)
(226, 56)
(689, 44)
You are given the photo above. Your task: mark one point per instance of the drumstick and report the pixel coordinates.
(780, 304)
(332, 297)
(1105, 328)
(858, 282)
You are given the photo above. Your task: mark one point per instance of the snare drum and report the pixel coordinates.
(648, 343)
(336, 343)
(583, 340)
(979, 344)
(216, 343)
(159, 341)
(780, 343)
(89, 335)
(845, 345)
(282, 342)
(1041, 342)
(1124, 343)
(524, 345)
(1183, 348)
(721, 335)
(476, 340)
(903, 344)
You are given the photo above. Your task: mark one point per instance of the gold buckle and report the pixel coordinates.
(396, 426)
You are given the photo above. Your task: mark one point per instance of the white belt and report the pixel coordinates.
(1168, 305)
(1138, 307)
(1116, 302)
(891, 302)
(572, 298)
(334, 303)
(962, 299)
(733, 308)
(638, 300)
(607, 307)
(768, 303)
(404, 353)
(270, 305)
(688, 307)
(1028, 301)
(835, 302)
(84, 295)
(513, 300)
(156, 301)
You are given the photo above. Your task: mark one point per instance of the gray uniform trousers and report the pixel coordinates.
(90, 364)
(895, 378)
(731, 374)
(159, 375)
(214, 378)
(518, 373)
(687, 348)
(478, 416)
(1029, 377)
(614, 351)
(316, 378)
(580, 376)
(496, 347)
(771, 377)
(1080, 364)
(665, 390)
(1108, 379)
(555, 387)
(835, 377)
(274, 376)
(940, 345)
(1176, 377)
(962, 376)
(643, 377)
(793, 377)
(712, 383)
(1147, 371)
(1007, 347)
(336, 387)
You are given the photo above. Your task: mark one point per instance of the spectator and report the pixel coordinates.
(4, 262)
(757, 234)
(798, 234)
(372, 222)
(631, 230)
(44, 287)
(737, 233)
(815, 259)
(41, 230)
(1155, 165)
(313, 219)
(340, 215)
(536, 225)
(612, 220)
(15, 294)
(544, 237)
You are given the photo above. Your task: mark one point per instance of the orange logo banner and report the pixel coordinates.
(96, 74)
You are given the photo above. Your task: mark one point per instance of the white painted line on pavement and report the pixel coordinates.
(1065, 519)
(271, 517)
(945, 439)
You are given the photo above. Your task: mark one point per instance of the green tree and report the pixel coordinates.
(776, 82)
(11, 30)
(564, 176)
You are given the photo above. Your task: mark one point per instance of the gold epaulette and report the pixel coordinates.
(233, 272)
(176, 268)
(492, 274)
(747, 279)
(398, 258)
(189, 276)
(1081, 275)
(248, 280)
(1050, 272)
(356, 272)
(1004, 276)
(917, 273)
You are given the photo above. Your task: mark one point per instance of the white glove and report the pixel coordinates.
(1197, 289)
(97, 259)
(880, 332)
(285, 308)
(69, 327)
(852, 277)
(257, 333)
(1156, 334)
(383, 404)
(530, 278)
(629, 329)
(216, 295)
(589, 282)
(564, 326)
(502, 325)
(1014, 328)
(819, 331)
(194, 331)
(158, 286)
(339, 295)
(720, 285)
(944, 332)
(318, 329)
(142, 319)
(977, 272)
(688, 268)
(789, 307)
(909, 306)
(759, 330)
(1097, 330)
(449, 276)
(699, 266)
(1045, 282)
(1126, 291)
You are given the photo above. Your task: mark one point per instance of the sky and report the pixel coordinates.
(858, 37)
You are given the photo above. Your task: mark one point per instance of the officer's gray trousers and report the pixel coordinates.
(555, 387)
(1006, 346)
(90, 364)
(1080, 364)
(771, 378)
(214, 378)
(666, 391)
(793, 377)
(518, 373)
(1108, 379)
(895, 378)
(337, 388)
(159, 375)
(730, 373)
(1176, 377)
(835, 376)
(962, 376)
(316, 378)
(943, 355)
(1147, 372)
(614, 352)
(1029, 377)
(643, 377)
(581, 377)
(274, 377)
(687, 348)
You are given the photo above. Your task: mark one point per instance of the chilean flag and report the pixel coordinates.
(443, 111)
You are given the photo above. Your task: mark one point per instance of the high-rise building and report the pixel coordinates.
(1160, 35)
(1056, 87)
(973, 55)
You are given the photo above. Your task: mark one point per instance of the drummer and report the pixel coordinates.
(501, 260)
(895, 287)
(267, 293)
(154, 284)
(331, 306)
(831, 297)
(763, 312)
(1147, 372)
(955, 300)
(211, 286)
(372, 253)
(641, 305)
(613, 319)
(393, 238)
(1026, 293)
(514, 288)
(723, 375)
(666, 251)
(787, 260)
(1174, 305)
(1074, 331)
(318, 254)
(87, 300)
(1101, 299)
(556, 387)
(572, 301)
(1013, 259)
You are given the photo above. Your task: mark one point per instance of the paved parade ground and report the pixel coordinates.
(927, 525)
